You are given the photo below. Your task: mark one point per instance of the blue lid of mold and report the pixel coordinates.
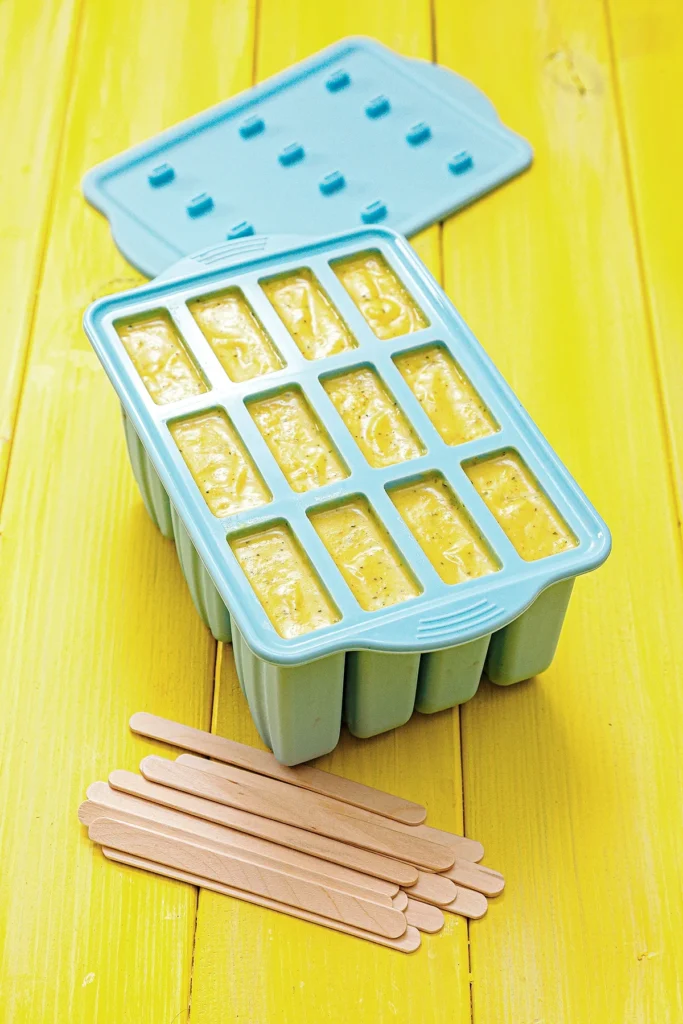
(354, 135)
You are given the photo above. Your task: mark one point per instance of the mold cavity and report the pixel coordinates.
(219, 463)
(284, 581)
(377, 424)
(299, 443)
(236, 336)
(444, 530)
(530, 520)
(381, 297)
(445, 394)
(158, 354)
(309, 316)
(365, 555)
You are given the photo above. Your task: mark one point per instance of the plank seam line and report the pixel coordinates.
(213, 715)
(665, 421)
(458, 710)
(65, 103)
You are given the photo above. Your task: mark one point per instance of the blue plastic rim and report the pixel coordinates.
(354, 134)
(443, 615)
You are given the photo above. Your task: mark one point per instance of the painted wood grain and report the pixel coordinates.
(571, 780)
(95, 616)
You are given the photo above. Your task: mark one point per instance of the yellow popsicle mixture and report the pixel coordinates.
(365, 556)
(380, 296)
(443, 530)
(240, 343)
(446, 395)
(308, 314)
(375, 421)
(284, 582)
(219, 463)
(297, 440)
(159, 356)
(530, 520)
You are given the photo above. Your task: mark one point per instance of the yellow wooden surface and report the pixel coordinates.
(35, 72)
(569, 277)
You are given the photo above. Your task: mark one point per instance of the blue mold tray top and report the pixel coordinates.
(353, 135)
(442, 615)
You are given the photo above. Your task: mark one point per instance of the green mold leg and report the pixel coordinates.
(151, 488)
(296, 709)
(207, 600)
(379, 691)
(527, 646)
(451, 676)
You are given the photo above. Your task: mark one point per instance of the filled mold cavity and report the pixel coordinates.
(219, 463)
(238, 339)
(380, 295)
(365, 555)
(374, 419)
(307, 313)
(158, 354)
(528, 517)
(284, 581)
(444, 530)
(299, 443)
(446, 395)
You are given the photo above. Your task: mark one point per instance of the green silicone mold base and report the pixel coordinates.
(298, 710)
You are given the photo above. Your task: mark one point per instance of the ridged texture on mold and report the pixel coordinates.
(451, 676)
(151, 488)
(379, 691)
(527, 646)
(207, 600)
(296, 709)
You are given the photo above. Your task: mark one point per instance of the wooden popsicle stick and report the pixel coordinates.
(101, 795)
(433, 889)
(400, 901)
(468, 903)
(289, 808)
(424, 916)
(263, 762)
(278, 789)
(407, 943)
(287, 835)
(476, 876)
(89, 812)
(467, 849)
(256, 878)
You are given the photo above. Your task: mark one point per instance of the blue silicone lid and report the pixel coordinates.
(353, 135)
(443, 615)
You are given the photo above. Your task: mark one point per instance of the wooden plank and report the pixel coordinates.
(647, 48)
(573, 780)
(95, 615)
(304, 776)
(35, 75)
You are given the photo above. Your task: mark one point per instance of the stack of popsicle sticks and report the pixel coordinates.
(297, 840)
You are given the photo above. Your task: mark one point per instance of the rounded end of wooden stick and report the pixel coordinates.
(138, 721)
(413, 814)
